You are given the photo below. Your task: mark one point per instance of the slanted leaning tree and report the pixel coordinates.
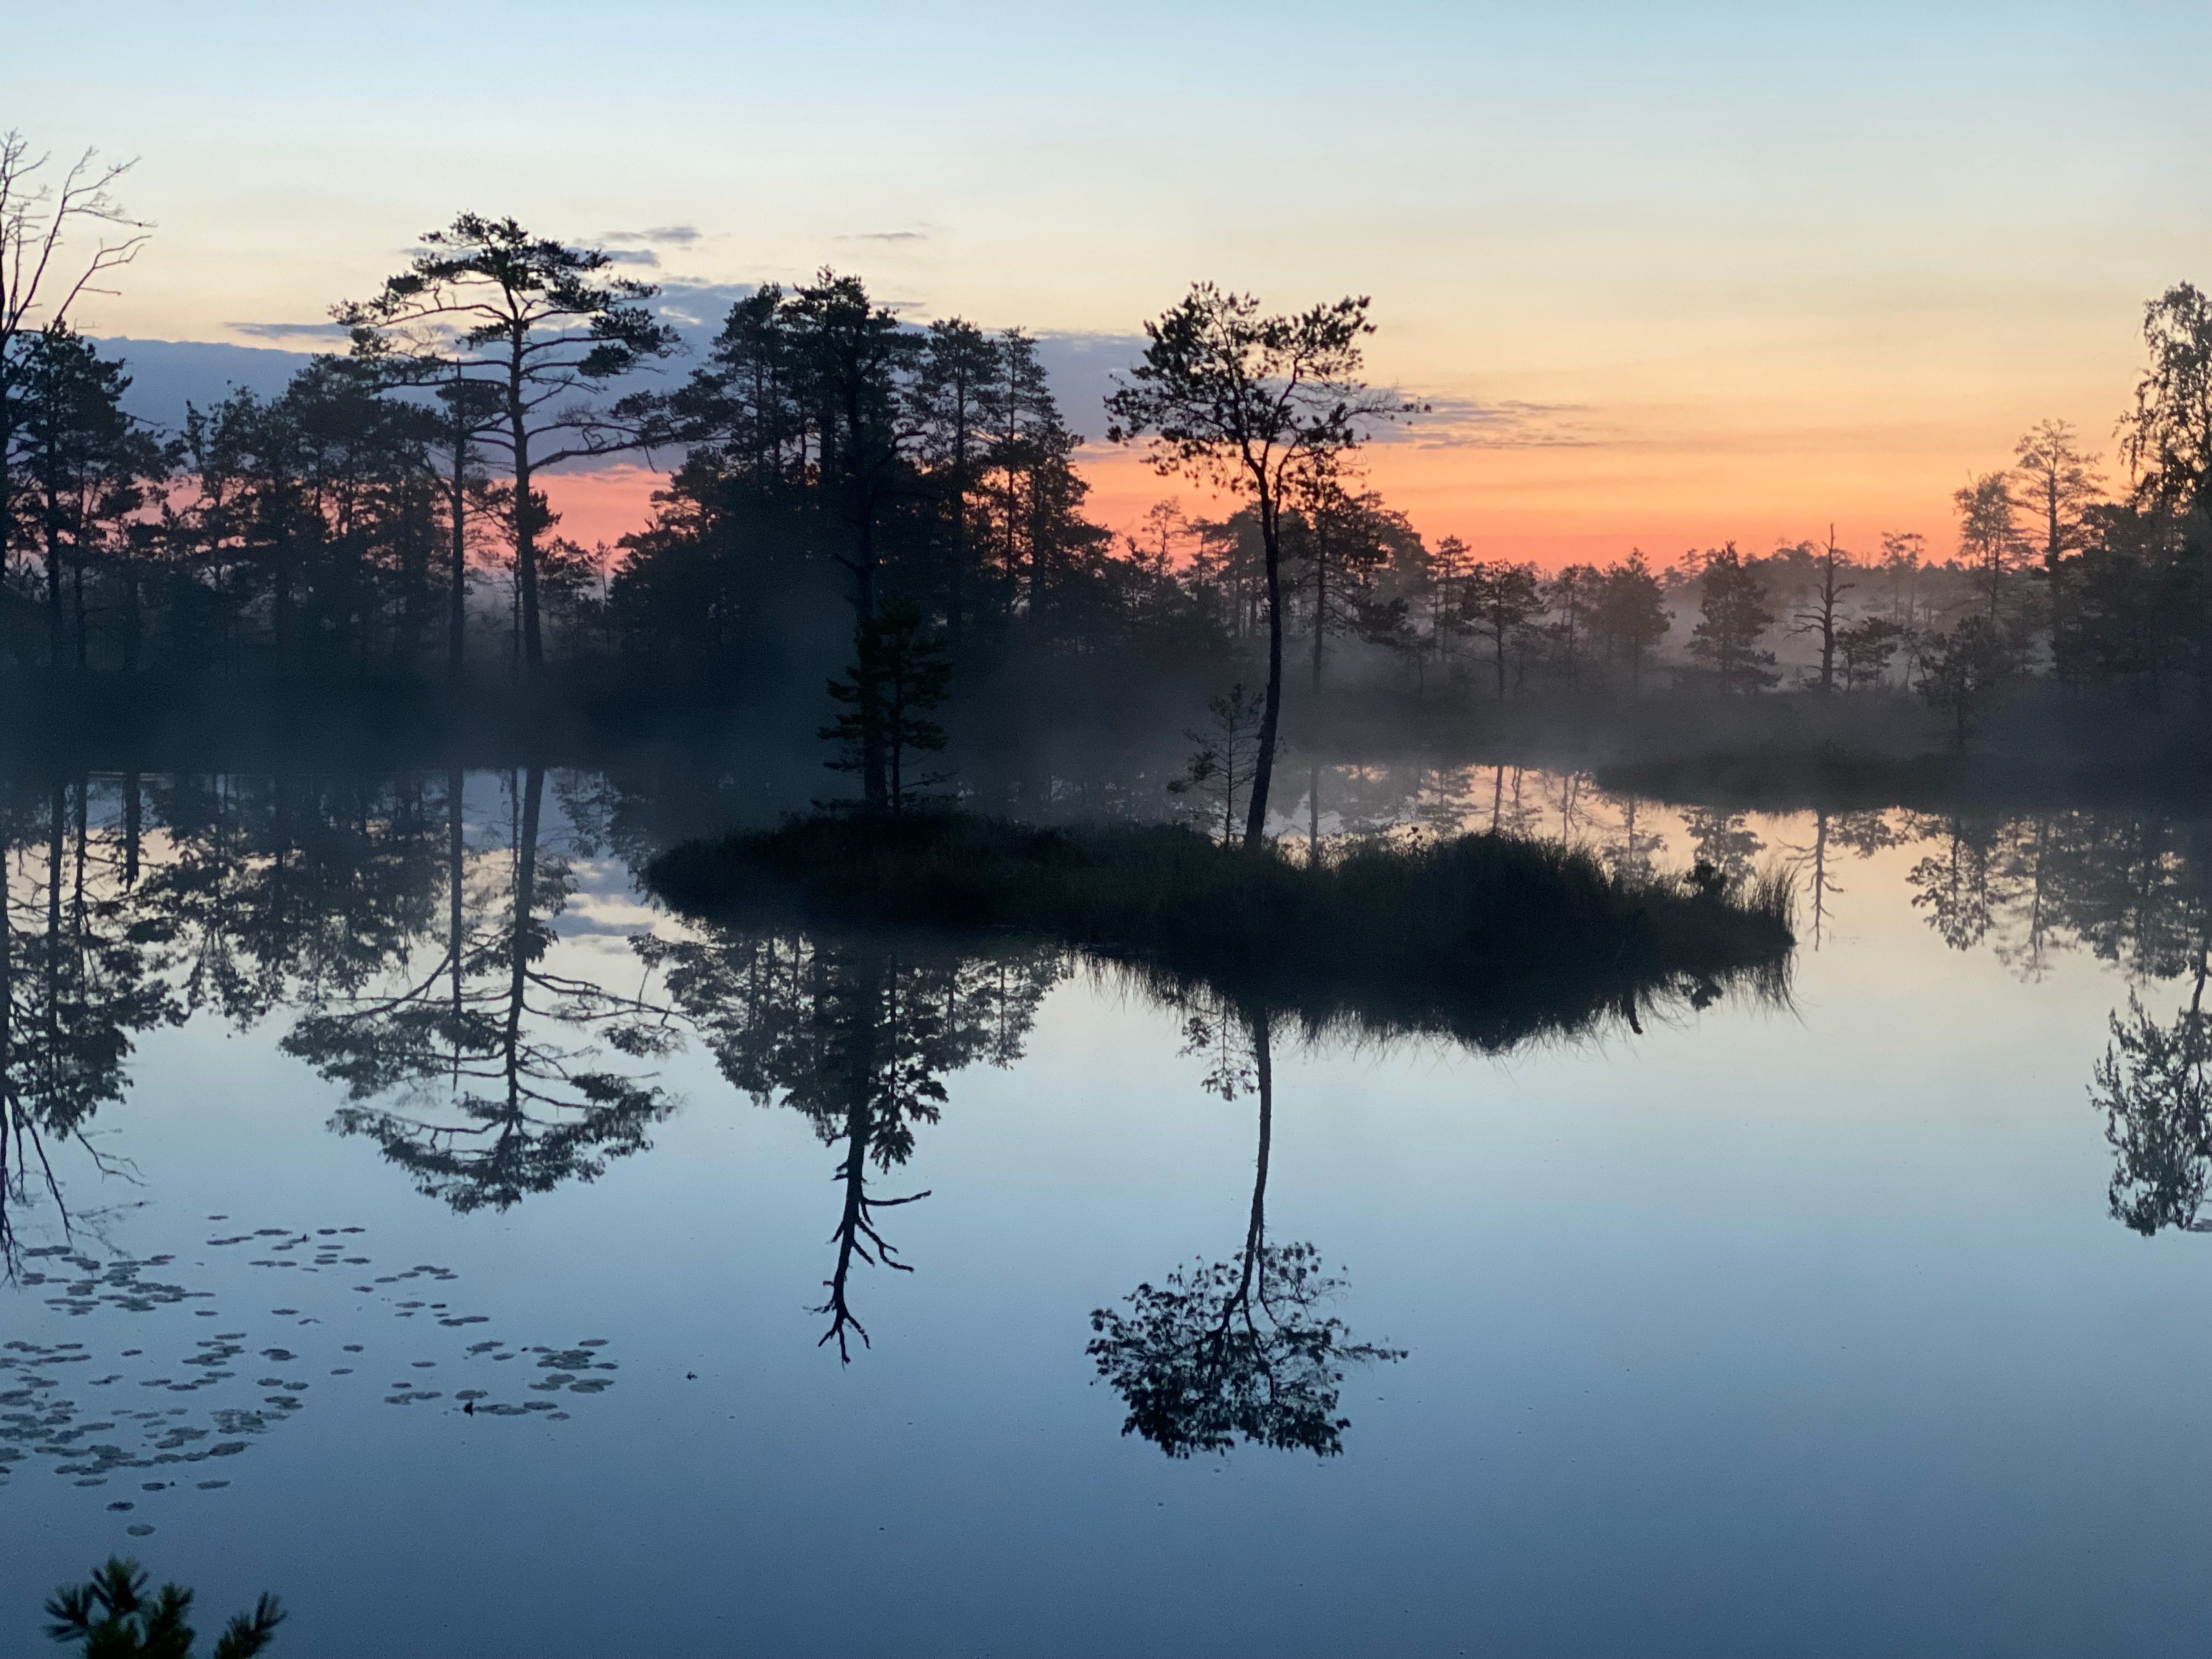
(542, 323)
(1255, 405)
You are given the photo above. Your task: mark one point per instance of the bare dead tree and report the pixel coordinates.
(1819, 619)
(38, 280)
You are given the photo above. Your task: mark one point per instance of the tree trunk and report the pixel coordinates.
(55, 632)
(526, 901)
(134, 623)
(457, 601)
(76, 605)
(525, 576)
(1270, 713)
(1255, 1226)
(133, 813)
(456, 792)
(526, 526)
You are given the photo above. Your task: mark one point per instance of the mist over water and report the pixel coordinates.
(403, 1202)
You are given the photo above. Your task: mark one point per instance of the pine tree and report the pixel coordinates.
(113, 1616)
(900, 672)
(1732, 619)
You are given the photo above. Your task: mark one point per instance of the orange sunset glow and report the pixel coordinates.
(1739, 309)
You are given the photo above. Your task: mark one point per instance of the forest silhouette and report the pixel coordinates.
(375, 542)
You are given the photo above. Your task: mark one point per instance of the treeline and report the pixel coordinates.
(385, 516)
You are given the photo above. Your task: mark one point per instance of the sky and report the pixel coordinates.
(1671, 275)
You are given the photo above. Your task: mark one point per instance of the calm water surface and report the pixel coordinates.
(1837, 1326)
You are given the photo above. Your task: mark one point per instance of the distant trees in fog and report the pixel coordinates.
(384, 517)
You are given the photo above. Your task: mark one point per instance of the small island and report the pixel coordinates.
(1488, 938)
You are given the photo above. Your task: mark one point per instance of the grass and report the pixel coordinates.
(1490, 938)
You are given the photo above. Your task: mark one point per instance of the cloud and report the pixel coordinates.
(666, 235)
(886, 236)
(325, 331)
(695, 310)
(1509, 423)
(634, 256)
(166, 376)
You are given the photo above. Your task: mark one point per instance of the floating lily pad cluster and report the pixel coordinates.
(93, 1411)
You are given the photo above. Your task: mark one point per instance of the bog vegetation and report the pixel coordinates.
(1491, 938)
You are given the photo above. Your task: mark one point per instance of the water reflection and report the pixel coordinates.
(94, 1410)
(78, 982)
(488, 1009)
(2151, 1082)
(856, 1033)
(2132, 888)
(1244, 1348)
(409, 931)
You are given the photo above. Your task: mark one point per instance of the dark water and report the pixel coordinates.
(1836, 1326)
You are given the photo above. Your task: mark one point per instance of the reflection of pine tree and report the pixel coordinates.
(1724, 841)
(1629, 851)
(1221, 1350)
(1443, 801)
(857, 1035)
(79, 980)
(490, 1010)
(1955, 884)
(2128, 887)
(288, 890)
(2151, 1083)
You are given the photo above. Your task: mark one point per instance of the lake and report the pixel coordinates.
(408, 1215)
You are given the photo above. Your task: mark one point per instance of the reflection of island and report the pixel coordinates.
(858, 1034)
(405, 926)
(1238, 1349)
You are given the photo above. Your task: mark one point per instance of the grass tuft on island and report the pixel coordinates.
(1487, 938)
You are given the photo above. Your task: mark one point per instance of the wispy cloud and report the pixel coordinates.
(886, 236)
(663, 235)
(324, 331)
(1508, 423)
(631, 256)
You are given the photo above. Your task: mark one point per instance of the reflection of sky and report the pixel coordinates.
(1766, 1332)
(1786, 263)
